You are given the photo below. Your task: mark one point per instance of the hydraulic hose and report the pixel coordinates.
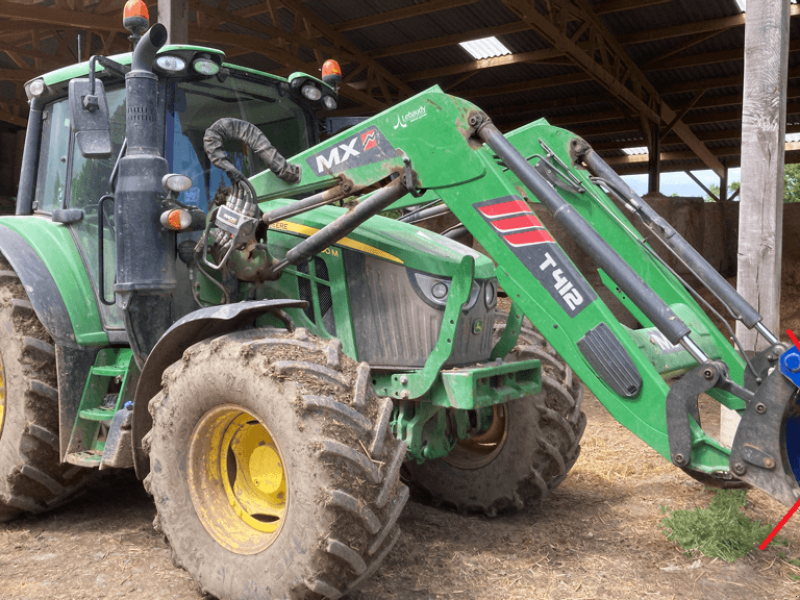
(739, 307)
(227, 130)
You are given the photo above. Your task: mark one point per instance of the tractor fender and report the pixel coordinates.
(195, 327)
(40, 286)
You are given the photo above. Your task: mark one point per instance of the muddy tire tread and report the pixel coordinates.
(345, 437)
(555, 432)
(32, 478)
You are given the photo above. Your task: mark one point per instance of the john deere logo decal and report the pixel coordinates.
(364, 148)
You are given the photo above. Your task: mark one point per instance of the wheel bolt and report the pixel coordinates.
(761, 408)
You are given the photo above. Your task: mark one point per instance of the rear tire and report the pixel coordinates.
(305, 502)
(534, 445)
(32, 479)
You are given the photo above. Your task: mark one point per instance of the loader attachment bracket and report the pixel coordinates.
(759, 454)
(682, 403)
(762, 363)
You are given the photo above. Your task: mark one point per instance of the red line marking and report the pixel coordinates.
(505, 208)
(520, 222)
(778, 527)
(793, 337)
(792, 510)
(526, 238)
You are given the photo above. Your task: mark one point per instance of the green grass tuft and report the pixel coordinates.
(720, 531)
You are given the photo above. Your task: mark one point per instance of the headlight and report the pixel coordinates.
(205, 66)
(174, 182)
(437, 290)
(35, 88)
(173, 64)
(490, 294)
(330, 102)
(311, 92)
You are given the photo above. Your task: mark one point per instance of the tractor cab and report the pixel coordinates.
(195, 87)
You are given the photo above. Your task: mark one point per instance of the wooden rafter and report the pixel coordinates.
(401, 13)
(59, 17)
(733, 151)
(663, 33)
(609, 64)
(311, 33)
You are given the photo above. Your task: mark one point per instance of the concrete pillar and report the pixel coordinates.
(766, 50)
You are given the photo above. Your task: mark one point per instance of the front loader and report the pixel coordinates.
(267, 351)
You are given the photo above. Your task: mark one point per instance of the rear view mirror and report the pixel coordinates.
(89, 117)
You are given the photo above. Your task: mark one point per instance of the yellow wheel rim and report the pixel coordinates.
(236, 479)
(2, 395)
(478, 451)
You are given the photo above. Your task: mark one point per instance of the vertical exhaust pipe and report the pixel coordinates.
(145, 250)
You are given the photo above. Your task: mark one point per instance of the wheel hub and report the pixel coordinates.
(479, 450)
(237, 480)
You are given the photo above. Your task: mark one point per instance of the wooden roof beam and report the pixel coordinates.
(486, 63)
(254, 44)
(672, 139)
(707, 58)
(339, 41)
(668, 156)
(609, 64)
(507, 29)
(406, 12)
(674, 31)
(59, 17)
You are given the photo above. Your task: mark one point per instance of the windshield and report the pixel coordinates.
(192, 107)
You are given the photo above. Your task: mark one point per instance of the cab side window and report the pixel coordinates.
(90, 175)
(51, 176)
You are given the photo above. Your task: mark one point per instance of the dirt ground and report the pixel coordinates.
(597, 536)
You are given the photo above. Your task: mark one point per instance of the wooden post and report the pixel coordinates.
(174, 15)
(723, 183)
(654, 161)
(766, 49)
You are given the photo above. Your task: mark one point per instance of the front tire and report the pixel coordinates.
(32, 478)
(532, 443)
(273, 468)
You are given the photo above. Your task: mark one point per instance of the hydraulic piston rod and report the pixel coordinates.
(740, 308)
(585, 235)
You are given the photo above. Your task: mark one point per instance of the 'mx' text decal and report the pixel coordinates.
(363, 148)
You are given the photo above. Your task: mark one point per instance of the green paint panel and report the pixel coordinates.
(410, 245)
(56, 247)
(483, 387)
(421, 381)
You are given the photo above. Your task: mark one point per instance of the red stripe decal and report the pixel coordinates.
(521, 222)
(505, 208)
(525, 238)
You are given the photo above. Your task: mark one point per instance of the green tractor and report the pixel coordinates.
(268, 352)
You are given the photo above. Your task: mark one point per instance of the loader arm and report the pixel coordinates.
(488, 180)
